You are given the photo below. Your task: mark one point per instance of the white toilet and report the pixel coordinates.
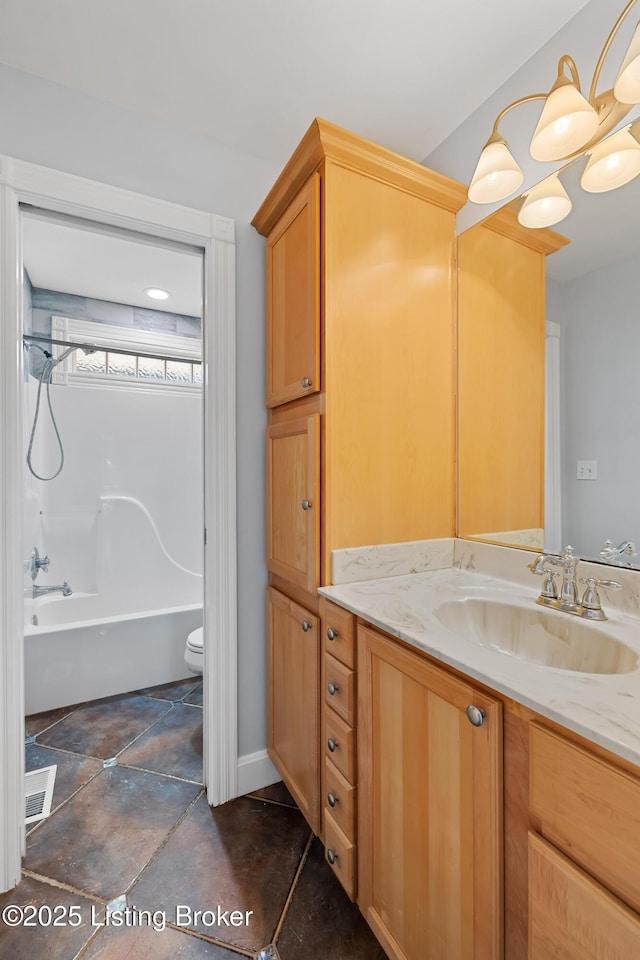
(193, 654)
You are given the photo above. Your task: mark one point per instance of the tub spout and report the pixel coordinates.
(62, 588)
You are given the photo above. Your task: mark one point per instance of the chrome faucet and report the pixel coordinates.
(62, 588)
(612, 554)
(567, 598)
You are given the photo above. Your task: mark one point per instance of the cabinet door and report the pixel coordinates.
(293, 508)
(430, 808)
(293, 682)
(293, 299)
(573, 917)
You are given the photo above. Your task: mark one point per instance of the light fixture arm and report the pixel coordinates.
(495, 135)
(605, 50)
(567, 61)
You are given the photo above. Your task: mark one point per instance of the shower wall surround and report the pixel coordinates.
(132, 463)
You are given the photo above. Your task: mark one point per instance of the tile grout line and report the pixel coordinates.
(160, 773)
(276, 803)
(55, 722)
(61, 885)
(173, 829)
(292, 889)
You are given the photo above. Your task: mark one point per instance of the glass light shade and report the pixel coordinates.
(612, 163)
(627, 86)
(497, 175)
(545, 204)
(567, 122)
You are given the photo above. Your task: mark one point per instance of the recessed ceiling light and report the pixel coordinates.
(156, 293)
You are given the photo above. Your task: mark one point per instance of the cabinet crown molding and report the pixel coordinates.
(326, 141)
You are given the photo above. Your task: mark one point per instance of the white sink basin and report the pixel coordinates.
(546, 637)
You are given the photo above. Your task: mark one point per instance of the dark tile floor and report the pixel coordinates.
(243, 880)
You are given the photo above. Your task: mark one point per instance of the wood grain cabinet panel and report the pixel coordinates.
(338, 632)
(571, 917)
(340, 688)
(429, 808)
(293, 500)
(293, 676)
(589, 808)
(293, 299)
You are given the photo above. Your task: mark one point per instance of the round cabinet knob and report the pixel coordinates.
(332, 799)
(332, 688)
(332, 744)
(306, 382)
(332, 856)
(306, 626)
(306, 504)
(332, 634)
(476, 715)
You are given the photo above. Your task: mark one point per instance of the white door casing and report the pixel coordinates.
(64, 193)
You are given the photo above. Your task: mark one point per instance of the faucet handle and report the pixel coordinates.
(549, 587)
(591, 598)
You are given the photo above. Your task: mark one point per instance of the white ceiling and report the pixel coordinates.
(252, 74)
(90, 262)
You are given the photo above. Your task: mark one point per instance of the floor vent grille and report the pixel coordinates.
(38, 790)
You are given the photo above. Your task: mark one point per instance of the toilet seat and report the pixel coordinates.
(194, 651)
(194, 641)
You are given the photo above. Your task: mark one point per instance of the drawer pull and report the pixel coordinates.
(332, 688)
(306, 626)
(332, 856)
(476, 715)
(306, 504)
(332, 799)
(332, 744)
(332, 634)
(306, 382)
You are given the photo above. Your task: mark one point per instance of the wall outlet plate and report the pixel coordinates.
(587, 470)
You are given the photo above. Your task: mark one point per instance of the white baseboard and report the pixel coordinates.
(255, 771)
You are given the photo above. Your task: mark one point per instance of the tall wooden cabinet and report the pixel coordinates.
(360, 373)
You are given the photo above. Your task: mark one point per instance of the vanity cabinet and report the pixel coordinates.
(584, 859)
(360, 374)
(339, 772)
(430, 810)
(293, 679)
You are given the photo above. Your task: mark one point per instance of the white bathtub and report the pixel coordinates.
(78, 652)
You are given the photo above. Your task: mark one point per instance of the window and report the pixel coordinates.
(125, 357)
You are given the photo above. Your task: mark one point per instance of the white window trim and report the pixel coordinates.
(109, 336)
(22, 182)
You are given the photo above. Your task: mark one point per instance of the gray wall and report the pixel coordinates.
(51, 125)
(600, 403)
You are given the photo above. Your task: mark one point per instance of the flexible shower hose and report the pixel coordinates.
(46, 374)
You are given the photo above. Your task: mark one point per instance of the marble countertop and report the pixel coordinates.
(602, 707)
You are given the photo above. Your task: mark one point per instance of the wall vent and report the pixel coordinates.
(38, 790)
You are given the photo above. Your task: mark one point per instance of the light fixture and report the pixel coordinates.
(567, 121)
(627, 86)
(612, 163)
(497, 174)
(157, 293)
(569, 126)
(545, 204)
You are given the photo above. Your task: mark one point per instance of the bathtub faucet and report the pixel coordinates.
(63, 588)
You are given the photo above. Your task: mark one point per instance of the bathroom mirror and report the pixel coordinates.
(592, 396)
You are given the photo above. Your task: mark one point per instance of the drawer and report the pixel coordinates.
(339, 688)
(339, 744)
(589, 808)
(340, 799)
(338, 632)
(573, 917)
(340, 854)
